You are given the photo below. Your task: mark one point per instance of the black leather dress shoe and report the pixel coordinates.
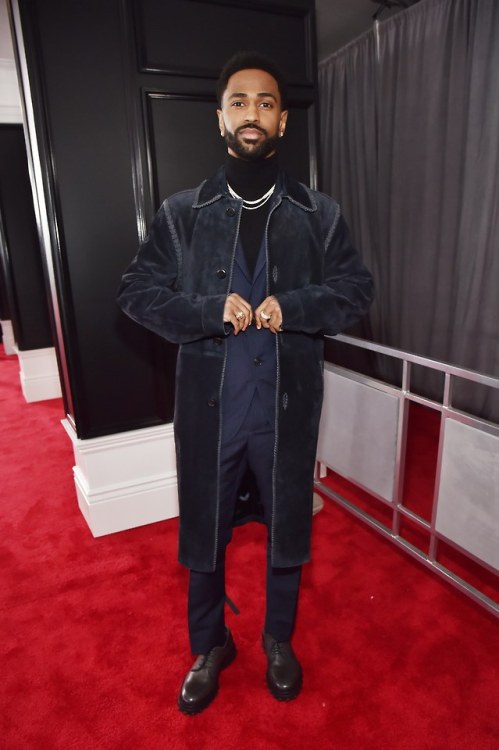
(284, 672)
(201, 682)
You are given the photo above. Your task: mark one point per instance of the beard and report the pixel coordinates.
(250, 151)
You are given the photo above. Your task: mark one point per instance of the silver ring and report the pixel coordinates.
(239, 315)
(264, 315)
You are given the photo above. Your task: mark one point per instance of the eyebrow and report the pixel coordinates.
(260, 95)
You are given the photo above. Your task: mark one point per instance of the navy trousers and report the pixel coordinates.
(252, 446)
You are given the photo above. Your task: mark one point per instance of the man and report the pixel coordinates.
(246, 273)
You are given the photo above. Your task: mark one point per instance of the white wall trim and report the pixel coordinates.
(39, 374)
(9, 341)
(125, 480)
(10, 101)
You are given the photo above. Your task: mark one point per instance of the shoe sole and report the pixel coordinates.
(284, 695)
(191, 710)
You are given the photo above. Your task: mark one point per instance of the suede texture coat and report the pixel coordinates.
(177, 286)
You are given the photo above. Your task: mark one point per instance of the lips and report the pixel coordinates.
(251, 132)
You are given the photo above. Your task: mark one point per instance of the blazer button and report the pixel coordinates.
(221, 273)
(212, 402)
(230, 212)
(257, 362)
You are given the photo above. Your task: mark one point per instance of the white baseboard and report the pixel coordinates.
(9, 342)
(39, 374)
(127, 479)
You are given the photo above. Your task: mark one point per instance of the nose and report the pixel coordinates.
(252, 112)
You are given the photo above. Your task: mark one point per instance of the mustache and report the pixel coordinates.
(249, 126)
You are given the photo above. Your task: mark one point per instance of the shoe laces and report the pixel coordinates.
(276, 647)
(210, 657)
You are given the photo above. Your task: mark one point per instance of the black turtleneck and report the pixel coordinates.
(250, 180)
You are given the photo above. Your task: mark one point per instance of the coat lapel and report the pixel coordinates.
(241, 262)
(260, 261)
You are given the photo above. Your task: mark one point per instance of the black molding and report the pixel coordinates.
(28, 37)
(135, 119)
(148, 97)
(306, 14)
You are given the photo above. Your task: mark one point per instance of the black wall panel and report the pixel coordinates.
(178, 161)
(204, 34)
(23, 280)
(125, 115)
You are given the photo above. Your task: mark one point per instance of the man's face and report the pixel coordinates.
(251, 120)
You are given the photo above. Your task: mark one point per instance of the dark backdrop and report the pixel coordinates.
(124, 112)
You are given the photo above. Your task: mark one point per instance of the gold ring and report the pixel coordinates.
(239, 315)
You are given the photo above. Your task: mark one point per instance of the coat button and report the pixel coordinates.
(212, 402)
(257, 362)
(230, 212)
(221, 273)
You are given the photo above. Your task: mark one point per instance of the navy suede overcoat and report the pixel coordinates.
(177, 286)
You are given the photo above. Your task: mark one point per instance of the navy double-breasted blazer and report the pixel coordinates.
(251, 356)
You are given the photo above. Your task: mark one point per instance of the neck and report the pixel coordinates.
(251, 179)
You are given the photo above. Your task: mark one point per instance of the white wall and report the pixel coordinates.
(10, 101)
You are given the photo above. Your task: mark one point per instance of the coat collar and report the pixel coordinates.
(215, 188)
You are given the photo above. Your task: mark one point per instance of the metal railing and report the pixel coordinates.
(465, 503)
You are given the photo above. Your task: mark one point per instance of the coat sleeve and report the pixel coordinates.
(344, 296)
(151, 289)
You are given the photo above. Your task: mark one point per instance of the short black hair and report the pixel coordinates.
(252, 60)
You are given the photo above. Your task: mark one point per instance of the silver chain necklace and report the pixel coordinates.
(252, 205)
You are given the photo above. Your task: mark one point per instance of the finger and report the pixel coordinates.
(236, 308)
(269, 317)
(243, 317)
(277, 321)
(240, 305)
(262, 317)
(265, 310)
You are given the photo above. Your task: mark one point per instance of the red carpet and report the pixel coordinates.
(94, 646)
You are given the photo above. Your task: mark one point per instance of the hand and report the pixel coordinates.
(268, 315)
(238, 312)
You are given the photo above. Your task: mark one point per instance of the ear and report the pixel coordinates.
(221, 123)
(282, 122)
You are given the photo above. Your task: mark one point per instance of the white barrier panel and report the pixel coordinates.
(468, 497)
(358, 432)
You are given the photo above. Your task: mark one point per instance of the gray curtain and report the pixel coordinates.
(410, 146)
